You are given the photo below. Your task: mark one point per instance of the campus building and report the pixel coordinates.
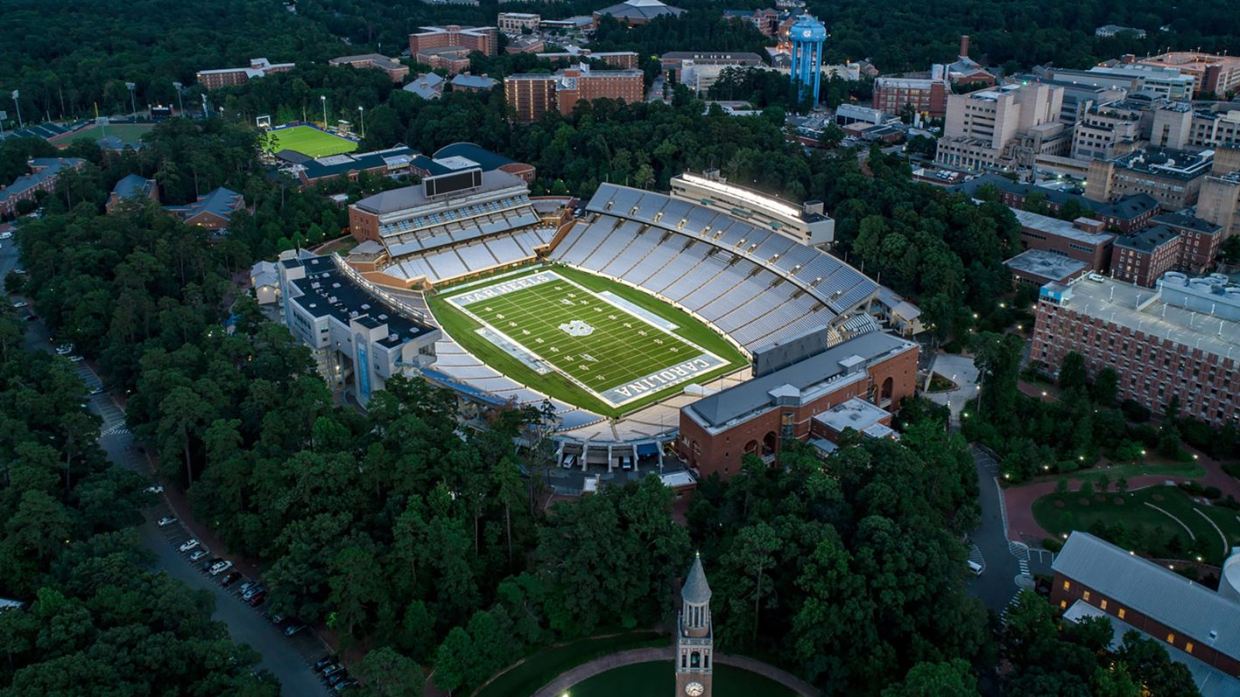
(517, 23)
(636, 12)
(1180, 339)
(927, 96)
(1125, 214)
(1003, 127)
(390, 162)
(621, 60)
(394, 69)
(807, 224)
(44, 173)
(1169, 84)
(228, 77)
(1106, 131)
(1171, 177)
(132, 188)
(1144, 256)
(1211, 74)
(1219, 200)
(1198, 627)
(448, 47)
(794, 402)
(676, 62)
(212, 210)
(533, 94)
(360, 336)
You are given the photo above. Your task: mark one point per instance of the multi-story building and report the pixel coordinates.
(360, 336)
(517, 23)
(1172, 177)
(1181, 339)
(1007, 126)
(1125, 214)
(1196, 625)
(676, 62)
(1211, 74)
(1143, 257)
(1170, 84)
(1083, 239)
(1108, 31)
(1219, 201)
(525, 44)
(228, 77)
(394, 69)
(428, 86)
(1199, 241)
(1036, 267)
(807, 224)
(390, 162)
(1106, 131)
(533, 94)
(621, 60)
(927, 96)
(132, 188)
(44, 173)
(448, 47)
(638, 12)
(1077, 97)
(761, 415)
(1180, 126)
(213, 210)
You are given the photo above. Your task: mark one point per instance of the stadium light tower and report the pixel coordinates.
(180, 106)
(323, 100)
(132, 105)
(16, 103)
(807, 36)
(361, 113)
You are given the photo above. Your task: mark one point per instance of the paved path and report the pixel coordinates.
(1001, 567)
(564, 682)
(960, 370)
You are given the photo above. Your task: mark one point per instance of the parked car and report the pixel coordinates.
(294, 627)
(6, 235)
(155, 489)
(257, 599)
(167, 520)
(253, 589)
(64, 349)
(220, 567)
(333, 669)
(75, 359)
(346, 685)
(975, 568)
(19, 304)
(96, 390)
(189, 544)
(322, 664)
(198, 554)
(230, 579)
(338, 678)
(275, 618)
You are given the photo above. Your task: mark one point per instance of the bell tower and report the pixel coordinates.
(694, 637)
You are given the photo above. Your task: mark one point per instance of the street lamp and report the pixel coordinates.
(361, 113)
(323, 100)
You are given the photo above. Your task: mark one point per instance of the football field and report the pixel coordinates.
(616, 350)
(310, 141)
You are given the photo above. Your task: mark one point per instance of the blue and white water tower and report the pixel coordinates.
(807, 36)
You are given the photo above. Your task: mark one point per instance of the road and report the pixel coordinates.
(1005, 564)
(288, 659)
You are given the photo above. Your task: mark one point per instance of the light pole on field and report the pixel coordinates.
(178, 87)
(18, 105)
(133, 107)
(323, 99)
(361, 112)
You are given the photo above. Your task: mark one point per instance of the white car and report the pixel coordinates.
(220, 567)
(20, 304)
(75, 359)
(64, 349)
(155, 489)
(6, 235)
(188, 544)
(167, 520)
(198, 555)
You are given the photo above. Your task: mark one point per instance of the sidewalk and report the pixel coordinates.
(562, 684)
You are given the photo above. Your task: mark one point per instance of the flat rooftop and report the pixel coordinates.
(856, 414)
(1180, 164)
(1141, 309)
(1060, 228)
(1044, 264)
(324, 283)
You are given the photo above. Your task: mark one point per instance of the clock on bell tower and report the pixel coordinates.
(694, 637)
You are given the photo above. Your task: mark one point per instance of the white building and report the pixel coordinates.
(808, 224)
(1007, 126)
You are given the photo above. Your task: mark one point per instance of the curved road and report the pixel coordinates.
(288, 659)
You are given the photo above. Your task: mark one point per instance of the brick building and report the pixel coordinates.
(621, 60)
(227, 77)
(1143, 257)
(1197, 626)
(928, 96)
(44, 173)
(1199, 241)
(394, 69)
(1181, 339)
(448, 47)
(1219, 200)
(533, 94)
(760, 415)
(1126, 214)
(134, 189)
(515, 23)
(212, 210)
(1083, 239)
(1218, 75)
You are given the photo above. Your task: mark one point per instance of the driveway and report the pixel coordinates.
(1005, 563)
(960, 370)
(288, 659)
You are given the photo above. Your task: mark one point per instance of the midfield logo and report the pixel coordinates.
(577, 328)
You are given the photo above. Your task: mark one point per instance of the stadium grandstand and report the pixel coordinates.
(470, 250)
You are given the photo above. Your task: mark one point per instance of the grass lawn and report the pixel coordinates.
(310, 141)
(540, 668)
(658, 679)
(595, 354)
(129, 133)
(1062, 513)
(1168, 468)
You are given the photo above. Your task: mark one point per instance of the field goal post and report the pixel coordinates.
(263, 122)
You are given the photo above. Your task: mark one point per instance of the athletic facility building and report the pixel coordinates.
(632, 319)
(807, 224)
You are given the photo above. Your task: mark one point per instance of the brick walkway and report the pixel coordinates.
(564, 682)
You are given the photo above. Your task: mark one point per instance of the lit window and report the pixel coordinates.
(1104, 604)
(1087, 595)
(1188, 647)
(1067, 585)
(1063, 604)
(1122, 612)
(1171, 638)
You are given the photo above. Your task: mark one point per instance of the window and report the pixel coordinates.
(1188, 647)
(1122, 612)
(1171, 637)
(1104, 604)
(1087, 595)
(1067, 585)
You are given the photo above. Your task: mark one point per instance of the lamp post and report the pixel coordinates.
(323, 99)
(133, 107)
(178, 87)
(361, 113)
(18, 105)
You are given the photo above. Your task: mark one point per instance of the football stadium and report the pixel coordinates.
(699, 325)
(309, 141)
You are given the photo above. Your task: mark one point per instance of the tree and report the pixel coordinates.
(1072, 374)
(387, 673)
(755, 553)
(947, 679)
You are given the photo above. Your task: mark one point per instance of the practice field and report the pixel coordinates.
(310, 141)
(584, 339)
(128, 133)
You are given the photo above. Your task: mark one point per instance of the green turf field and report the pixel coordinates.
(128, 133)
(310, 141)
(584, 339)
